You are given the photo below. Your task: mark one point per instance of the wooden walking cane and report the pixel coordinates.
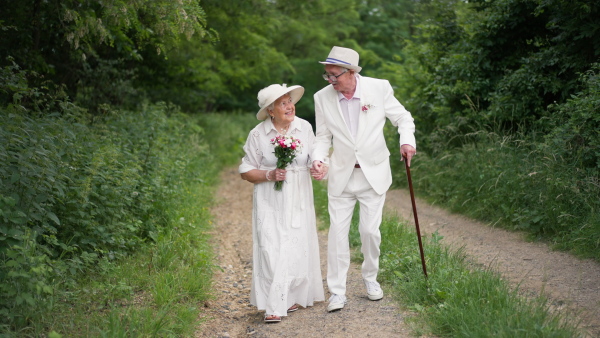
(414, 206)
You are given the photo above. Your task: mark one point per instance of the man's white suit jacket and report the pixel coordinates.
(377, 103)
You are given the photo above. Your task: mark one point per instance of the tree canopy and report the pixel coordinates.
(496, 63)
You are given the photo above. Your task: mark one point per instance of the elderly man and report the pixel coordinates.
(350, 114)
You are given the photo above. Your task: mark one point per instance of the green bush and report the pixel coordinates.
(575, 126)
(513, 182)
(548, 186)
(156, 290)
(571, 153)
(76, 189)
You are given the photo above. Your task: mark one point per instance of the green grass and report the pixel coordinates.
(458, 299)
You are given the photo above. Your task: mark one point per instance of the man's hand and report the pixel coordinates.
(407, 151)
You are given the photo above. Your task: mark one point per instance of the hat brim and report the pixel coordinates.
(343, 65)
(295, 92)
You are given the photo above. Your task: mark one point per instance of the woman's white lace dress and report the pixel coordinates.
(286, 265)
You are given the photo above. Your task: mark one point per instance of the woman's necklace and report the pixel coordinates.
(282, 130)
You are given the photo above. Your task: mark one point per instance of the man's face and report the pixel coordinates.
(345, 78)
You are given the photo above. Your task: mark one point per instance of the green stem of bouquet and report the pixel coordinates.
(279, 184)
(283, 159)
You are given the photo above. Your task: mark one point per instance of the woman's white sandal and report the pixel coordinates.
(272, 319)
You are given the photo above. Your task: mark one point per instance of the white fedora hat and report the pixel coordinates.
(343, 57)
(270, 94)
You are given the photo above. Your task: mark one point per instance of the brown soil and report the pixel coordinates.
(570, 284)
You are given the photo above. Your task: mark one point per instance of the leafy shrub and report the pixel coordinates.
(575, 124)
(498, 63)
(512, 182)
(76, 188)
(548, 185)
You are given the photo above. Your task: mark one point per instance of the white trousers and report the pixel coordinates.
(340, 215)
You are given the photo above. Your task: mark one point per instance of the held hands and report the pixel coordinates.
(407, 151)
(318, 170)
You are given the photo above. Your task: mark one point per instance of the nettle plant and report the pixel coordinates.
(73, 192)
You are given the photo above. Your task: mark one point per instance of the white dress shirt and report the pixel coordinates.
(351, 109)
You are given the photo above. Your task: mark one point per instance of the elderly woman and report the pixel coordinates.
(286, 265)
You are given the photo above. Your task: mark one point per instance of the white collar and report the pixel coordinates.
(268, 125)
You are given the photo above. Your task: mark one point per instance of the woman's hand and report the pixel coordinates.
(278, 175)
(260, 175)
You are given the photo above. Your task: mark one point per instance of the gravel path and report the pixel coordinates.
(569, 283)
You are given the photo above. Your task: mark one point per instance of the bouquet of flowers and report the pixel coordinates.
(286, 149)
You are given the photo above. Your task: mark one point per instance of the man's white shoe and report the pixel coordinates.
(374, 291)
(336, 302)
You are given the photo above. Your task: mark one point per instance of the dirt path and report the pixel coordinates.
(567, 281)
(235, 317)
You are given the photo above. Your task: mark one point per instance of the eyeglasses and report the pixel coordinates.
(332, 77)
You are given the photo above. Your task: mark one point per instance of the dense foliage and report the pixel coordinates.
(507, 100)
(502, 62)
(95, 48)
(505, 96)
(77, 189)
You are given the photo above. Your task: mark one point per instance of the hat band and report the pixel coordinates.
(337, 61)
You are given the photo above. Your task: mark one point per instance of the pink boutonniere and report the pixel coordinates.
(365, 108)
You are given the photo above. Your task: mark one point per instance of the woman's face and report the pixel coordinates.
(284, 110)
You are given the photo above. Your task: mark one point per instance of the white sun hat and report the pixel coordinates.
(343, 57)
(270, 94)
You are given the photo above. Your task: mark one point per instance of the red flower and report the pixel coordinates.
(365, 108)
